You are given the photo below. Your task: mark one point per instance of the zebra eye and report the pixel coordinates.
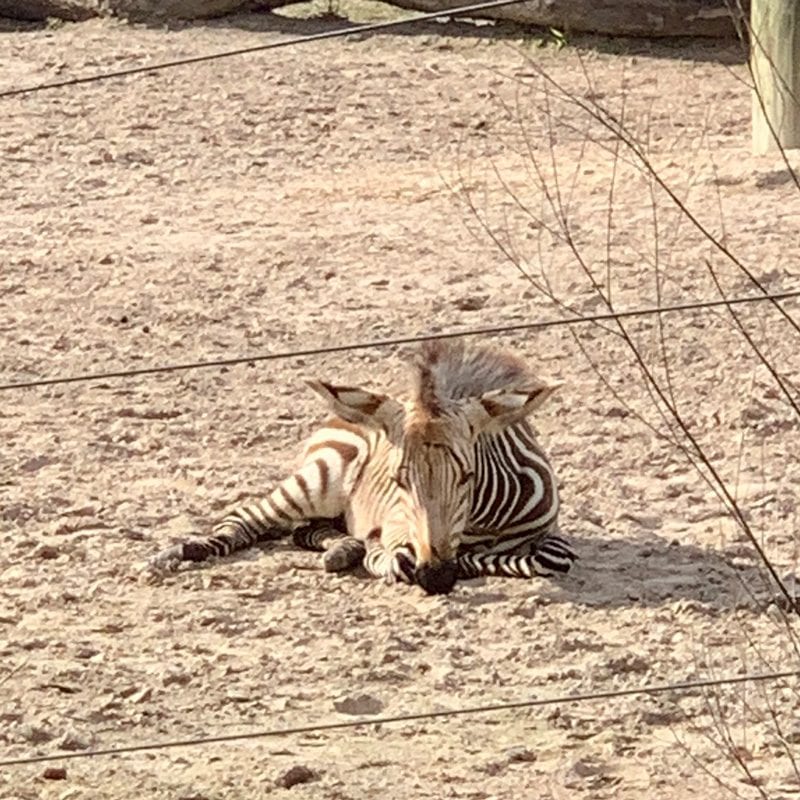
(465, 477)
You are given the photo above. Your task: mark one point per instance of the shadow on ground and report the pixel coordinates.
(648, 572)
(651, 571)
(728, 52)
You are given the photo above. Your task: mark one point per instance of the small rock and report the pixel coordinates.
(594, 517)
(520, 754)
(179, 678)
(85, 510)
(587, 768)
(664, 717)
(793, 734)
(358, 704)
(528, 611)
(676, 487)
(46, 552)
(72, 740)
(648, 521)
(630, 662)
(296, 775)
(238, 696)
(36, 463)
(471, 302)
(792, 583)
(142, 695)
(35, 734)
(55, 774)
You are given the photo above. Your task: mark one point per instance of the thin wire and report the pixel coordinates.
(341, 348)
(455, 712)
(314, 37)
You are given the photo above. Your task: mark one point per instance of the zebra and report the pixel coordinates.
(449, 484)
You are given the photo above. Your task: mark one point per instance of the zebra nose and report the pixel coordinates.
(437, 578)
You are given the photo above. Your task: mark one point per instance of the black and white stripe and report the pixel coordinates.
(551, 554)
(356, 496)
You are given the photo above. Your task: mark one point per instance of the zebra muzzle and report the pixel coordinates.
(437, 578)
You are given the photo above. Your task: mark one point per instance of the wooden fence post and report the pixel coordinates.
(775, 61)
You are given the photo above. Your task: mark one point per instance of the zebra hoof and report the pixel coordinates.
(343, 556)
(167, 560)
(439, 578)
(404, 567)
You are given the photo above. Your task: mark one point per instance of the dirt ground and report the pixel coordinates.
(318, 195)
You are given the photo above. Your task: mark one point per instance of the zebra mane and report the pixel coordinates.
(448, 370)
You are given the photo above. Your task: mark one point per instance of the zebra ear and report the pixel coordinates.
(496, 410)
(359, 406)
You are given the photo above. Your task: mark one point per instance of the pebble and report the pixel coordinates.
(72, 740)
(471, 302)
(520, 754)
(359, 704)
(35, 734)
(793, 734)
(296, 775)
(142, 695)
(55, 774)
(648, 521)
(46, 552)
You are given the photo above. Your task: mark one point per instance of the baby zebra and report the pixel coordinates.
(448, 484)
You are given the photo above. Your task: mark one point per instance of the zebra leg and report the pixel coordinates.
(342, 552)
(551, 554)
(319, 534)
(394, 566)
(295, 500)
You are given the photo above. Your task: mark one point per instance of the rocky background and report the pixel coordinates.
(626, 17)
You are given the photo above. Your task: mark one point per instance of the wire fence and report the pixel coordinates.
(404, 340)
(609, 694)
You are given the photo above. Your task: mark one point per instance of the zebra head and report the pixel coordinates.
(431, 465)
(437, 466)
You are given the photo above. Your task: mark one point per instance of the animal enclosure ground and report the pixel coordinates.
(317, 195)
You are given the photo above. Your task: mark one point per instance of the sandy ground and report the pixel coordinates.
(300, 198)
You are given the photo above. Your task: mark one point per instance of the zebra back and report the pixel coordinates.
(515, 498)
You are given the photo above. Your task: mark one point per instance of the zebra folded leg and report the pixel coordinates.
(319, 534)
(551, 554)
(399, 565)
(343, 554)
(394, 566)
(329, 536)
